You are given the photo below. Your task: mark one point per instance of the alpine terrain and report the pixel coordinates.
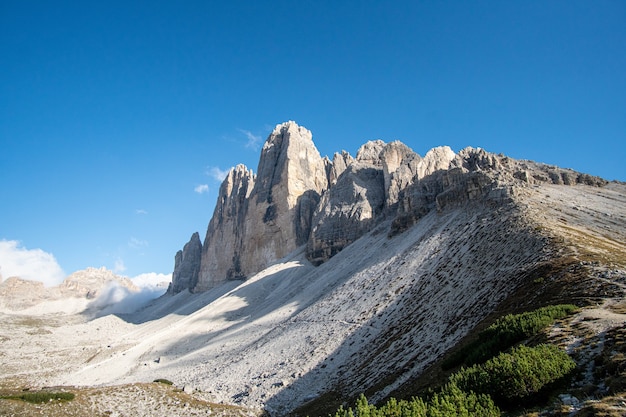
(319, 279)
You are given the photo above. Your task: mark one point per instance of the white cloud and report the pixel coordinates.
(119, 266)
(141, 211)
(116, 299)
(152, 280)
(202, 188)
(217, 173)
(31, 264)
(254, 141)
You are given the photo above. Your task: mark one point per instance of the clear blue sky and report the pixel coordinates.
(114, 115)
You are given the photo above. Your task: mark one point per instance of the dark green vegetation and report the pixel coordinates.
(164, 381)
(506, 332)
(40, 396)
(450, 401)
(510, 377)
(500, 375)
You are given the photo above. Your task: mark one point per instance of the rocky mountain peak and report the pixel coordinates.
(299, 198)
(261, 218)
(369, 153)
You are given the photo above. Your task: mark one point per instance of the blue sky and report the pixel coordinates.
(115, 118)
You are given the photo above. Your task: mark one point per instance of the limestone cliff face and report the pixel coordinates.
(259, 219)
(186, 266)
(223, 244)
(299, 198)
(351, 206)
(474, 175)
(291, 178)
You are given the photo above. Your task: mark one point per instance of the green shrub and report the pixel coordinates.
(506, 332)
(449, 402)
(164, 381)
(41, 396)
(509, 377)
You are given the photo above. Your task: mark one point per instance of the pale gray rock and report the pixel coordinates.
(340, 163)
(299, 197)
(346, 211)
(400, 167)
(370, 152)
(90, 282)
(474, 175)
(186, 266)
(291, 178)
(259, 219)
(223, 244)
(17, 293)
(436, 159)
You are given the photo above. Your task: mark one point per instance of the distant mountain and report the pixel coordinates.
(19, 294)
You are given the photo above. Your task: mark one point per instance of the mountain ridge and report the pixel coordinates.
(298, 198)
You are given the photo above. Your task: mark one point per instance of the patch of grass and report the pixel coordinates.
(164, 381)
(41, 397)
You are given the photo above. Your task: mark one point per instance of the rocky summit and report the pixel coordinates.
(300, 198)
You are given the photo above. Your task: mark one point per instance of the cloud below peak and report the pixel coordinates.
(201, 189)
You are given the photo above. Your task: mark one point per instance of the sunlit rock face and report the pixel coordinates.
(259, 219)
(300, 199)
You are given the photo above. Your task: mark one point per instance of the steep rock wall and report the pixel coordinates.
(298, 198)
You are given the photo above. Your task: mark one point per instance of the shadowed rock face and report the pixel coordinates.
(223, 243)
(300, 198)
(186, 266)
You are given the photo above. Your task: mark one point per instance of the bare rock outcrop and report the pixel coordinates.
(223, 244)
(90, 282)
(341, 161)
(474, 175)
(18, 294)
(186, 266)
(299, 198)
(291, 177)
(346, 211)
(400, 166)
(260, 219)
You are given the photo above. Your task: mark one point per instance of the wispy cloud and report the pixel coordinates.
(119, 266)
(254, 141)
(141, 211)
(31, 264)
(217, 174)
(135, 243)
(202, 188)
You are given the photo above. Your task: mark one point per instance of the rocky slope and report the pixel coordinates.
(372, 318)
